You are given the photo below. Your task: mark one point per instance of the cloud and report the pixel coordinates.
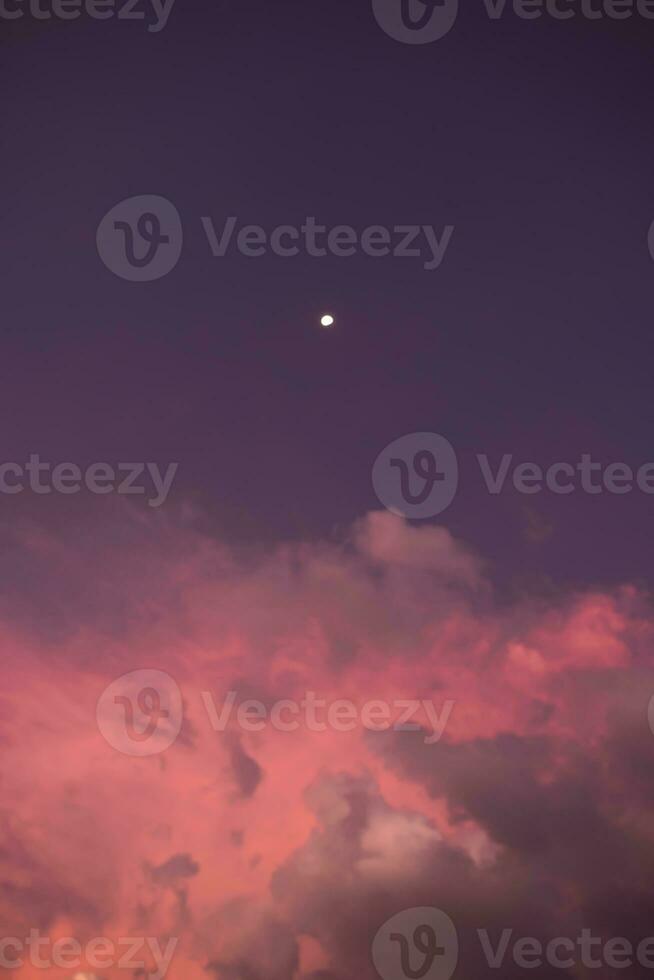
(246, 770)
(175, 869)
(274, 854)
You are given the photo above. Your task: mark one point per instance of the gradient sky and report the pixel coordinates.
(272, 568)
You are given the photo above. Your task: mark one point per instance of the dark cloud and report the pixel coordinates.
(174, 870)
(246, 771)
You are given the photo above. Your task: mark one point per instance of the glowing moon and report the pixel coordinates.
(327, 320)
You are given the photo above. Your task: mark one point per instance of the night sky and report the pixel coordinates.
(272, 567)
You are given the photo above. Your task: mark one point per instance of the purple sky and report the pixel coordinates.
(272, 569)
(532, 138)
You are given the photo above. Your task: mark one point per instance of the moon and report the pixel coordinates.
(326, 320)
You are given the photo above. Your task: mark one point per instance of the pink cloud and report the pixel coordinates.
(272, 854)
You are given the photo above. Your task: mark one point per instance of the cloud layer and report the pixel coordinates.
(275, 855)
